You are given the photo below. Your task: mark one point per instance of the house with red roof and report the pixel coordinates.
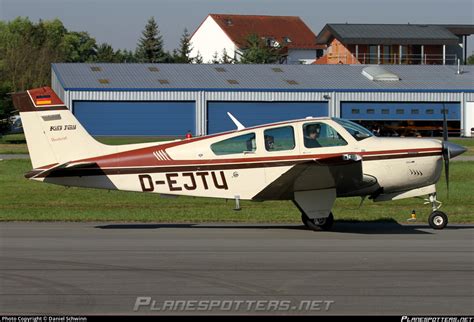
(219, 32)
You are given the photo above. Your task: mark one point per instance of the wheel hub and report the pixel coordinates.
(438, 220)
(320, 221)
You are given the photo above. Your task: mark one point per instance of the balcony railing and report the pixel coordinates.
(409, 59)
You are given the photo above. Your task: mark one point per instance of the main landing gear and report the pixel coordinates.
(318, 223)
(315, 207)
(437, 219)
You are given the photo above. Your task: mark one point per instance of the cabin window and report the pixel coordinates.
(400, 111)
(370, 111)
(279, 139)
(355, 111)
(385, 111)
(415, 111)
(318, 135)
(238, 144)
(430, 111)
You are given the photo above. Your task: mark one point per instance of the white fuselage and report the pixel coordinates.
(191, 167)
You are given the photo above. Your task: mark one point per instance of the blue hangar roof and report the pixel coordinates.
(238, 77)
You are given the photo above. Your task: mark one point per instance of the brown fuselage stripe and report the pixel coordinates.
(79, 172)
(399, 156)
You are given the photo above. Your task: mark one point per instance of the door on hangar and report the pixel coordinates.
(404, 118)
(136, 118)
(256, 113)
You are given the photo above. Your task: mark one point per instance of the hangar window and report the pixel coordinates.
(400, 111)
(279, 139)
(385, 111)
(220, 69)
(291, 82)
(355, 111)
(96, 69)
(415, 111)
(232, 81)
(430, 111)
(103, 81)
(370, 111)
(277, 70)
(153, 69)
(238, 144)
(163, 81)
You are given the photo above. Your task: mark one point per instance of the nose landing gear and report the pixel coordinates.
(437, 219)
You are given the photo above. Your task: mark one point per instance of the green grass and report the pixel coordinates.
(26, 200)
(13, 144)
(466, 142)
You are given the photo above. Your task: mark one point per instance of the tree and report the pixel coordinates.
(79, 47)
(106, 54)
(28, 49)
(470, 60)
(198, 59)
(150, 45)
(258, 52)
(226, 59)
(183, 54)
(215, 58)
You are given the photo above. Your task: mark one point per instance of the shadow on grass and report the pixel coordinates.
(354, 227)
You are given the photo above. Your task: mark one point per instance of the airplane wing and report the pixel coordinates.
(344, 173)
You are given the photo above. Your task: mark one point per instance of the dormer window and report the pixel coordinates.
(271, 42)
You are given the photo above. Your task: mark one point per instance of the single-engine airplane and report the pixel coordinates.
(310, 161)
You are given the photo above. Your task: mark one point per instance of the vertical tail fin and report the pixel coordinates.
(53, 134)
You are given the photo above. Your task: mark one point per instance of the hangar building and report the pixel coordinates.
(172, 99)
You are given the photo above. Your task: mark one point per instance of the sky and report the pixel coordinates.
(120, 22)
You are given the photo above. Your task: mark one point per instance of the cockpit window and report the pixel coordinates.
(357, 131)
(279, 139)
(238, 144)
(317, 135)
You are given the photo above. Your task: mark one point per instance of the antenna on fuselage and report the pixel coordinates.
(239, 125)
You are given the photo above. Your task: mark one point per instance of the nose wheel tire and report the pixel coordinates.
(318, 223)
(438, 220)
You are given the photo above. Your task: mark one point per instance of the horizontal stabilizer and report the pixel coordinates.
(42, 173)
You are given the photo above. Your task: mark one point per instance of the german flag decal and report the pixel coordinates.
(43, 100)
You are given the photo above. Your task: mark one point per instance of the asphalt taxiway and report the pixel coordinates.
(360, 268)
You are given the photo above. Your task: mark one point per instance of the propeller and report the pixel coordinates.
(450, 150)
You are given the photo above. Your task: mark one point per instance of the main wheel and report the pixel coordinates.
(438, 220)
(318, 223)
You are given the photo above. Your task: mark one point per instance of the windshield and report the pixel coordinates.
(357, 131)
